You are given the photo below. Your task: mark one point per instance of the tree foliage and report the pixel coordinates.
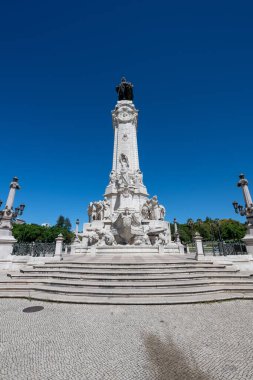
(210, 229)
(34, 232)
(63, 223)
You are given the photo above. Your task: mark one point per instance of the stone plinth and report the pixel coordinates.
(248, 238)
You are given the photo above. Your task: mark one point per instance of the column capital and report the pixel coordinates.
(14, 184)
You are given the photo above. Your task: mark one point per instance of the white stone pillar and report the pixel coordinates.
(199, 246)
(58, 247)
(176, 233)
(6, 238)
(248, 212)
(13, 187)
(77, 241)
(243, 183)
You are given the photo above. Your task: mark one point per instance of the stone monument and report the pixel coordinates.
(126, 215)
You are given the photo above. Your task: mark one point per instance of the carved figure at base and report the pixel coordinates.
(91, 211)
(145, 211)
(109, 239)
(138, 177)
(106, 209)
(112, 177)
(162, 238)
(127, 227)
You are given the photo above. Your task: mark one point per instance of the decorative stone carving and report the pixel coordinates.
(106, 209)
(152, 210)
(99, 210)
(127, 226)
(112, 177)
(109, 239)
(91, 211)
(138, 177)
(145, 211)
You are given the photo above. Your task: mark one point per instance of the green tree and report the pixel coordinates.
(33, 232)
(60, 221)
(67, 224)
(63, 222)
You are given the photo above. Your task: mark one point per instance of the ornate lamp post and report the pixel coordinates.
(246, 211)
(177, 237)
(176, 233)
(7, 216)
(76, 231)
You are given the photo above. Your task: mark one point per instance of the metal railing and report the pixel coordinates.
(222, 248)
(35, 249)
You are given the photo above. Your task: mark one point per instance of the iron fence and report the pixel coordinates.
(35, 249)
(222, 248)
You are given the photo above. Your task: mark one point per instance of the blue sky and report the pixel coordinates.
(191, 65)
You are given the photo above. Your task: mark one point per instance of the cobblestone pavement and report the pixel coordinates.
(65, 342)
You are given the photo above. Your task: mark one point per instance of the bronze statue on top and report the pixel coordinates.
(125, 90)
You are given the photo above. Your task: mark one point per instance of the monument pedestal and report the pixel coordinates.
(248, 238)
(6, 243)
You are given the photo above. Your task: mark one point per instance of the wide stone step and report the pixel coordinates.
(119, 278)
(128, 267)
(129, 272)
(97, 292)
(127, 284)
(131, 263)
(159, 300)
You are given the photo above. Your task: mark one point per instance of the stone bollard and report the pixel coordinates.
(199, 246)
(58, 247)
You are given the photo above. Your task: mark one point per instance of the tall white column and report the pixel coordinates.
(6, 238)
(247, 211)
(13, 187)
(243, 183)
(124, 118)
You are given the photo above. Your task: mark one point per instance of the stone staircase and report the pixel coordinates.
(157, 279)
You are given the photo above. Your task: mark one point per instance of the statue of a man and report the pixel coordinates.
(106, 208)
(125, 90)
(155, 211)
(112, 176)
(92, 211)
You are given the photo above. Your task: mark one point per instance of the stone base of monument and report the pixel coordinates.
(171, 248)
(6, 243)
(248, 239)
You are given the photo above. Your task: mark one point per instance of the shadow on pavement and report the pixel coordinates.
(170, 362)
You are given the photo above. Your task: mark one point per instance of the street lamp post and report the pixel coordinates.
(7, 216)
(76, 231)
(246, 211)
(176, 233)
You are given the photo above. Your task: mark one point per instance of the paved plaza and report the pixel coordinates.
(65, 341)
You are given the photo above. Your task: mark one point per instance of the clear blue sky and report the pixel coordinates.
(191, 63)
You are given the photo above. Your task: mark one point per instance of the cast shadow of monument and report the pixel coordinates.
(170, 362)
